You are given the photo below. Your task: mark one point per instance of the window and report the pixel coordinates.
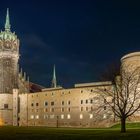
(46, 116)
(46, 110)
(51, 116)
(52, 103)
(69, 109)
(81, 109)
(81, 116)
(37, 116)
(68, 116)
(37, 104)
(86, 101)
(81, 91)
(52, 93)
(5, 106)
(62, 102)
(46, 103)
(91, 90)
(91, 101)
(32, 104)
(32, 116)
(104, 116)
(62, 109)
(81, 101)
(104, 100)
(104, 107)
(90, 116)
(51, 109)
(68, 102)
(62, 116)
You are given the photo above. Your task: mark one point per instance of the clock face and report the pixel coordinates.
(7, 45)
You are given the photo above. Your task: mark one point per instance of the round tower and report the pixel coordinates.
(131, 61)
(9, 55)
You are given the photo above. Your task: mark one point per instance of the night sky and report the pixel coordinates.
(81, 37)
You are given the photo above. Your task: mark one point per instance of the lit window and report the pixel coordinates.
(37, 116)
(62, 116)
(32, 116)
(46, 103)
(104, 116)
(68, 116)
(81, 116)
(90, 116)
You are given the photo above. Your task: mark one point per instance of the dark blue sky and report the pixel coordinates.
(81, 37)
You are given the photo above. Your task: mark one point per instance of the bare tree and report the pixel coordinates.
(123, 97)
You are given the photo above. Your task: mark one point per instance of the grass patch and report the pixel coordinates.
(44, 133)
(128, 125)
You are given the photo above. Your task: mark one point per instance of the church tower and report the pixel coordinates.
(9, 56)
(54, 82)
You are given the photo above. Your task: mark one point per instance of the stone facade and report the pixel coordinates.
(52, 107)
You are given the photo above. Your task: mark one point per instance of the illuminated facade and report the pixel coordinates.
(26, 104)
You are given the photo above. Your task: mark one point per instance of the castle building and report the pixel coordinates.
(23, 103)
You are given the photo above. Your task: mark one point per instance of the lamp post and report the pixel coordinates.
(57, 117)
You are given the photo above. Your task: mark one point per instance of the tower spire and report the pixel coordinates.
(54, 83)
(7, 23)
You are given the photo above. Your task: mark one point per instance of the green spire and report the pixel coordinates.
(7, 23)
(54, 83)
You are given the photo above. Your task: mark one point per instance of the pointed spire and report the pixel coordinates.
(54, 83)
(7, 23)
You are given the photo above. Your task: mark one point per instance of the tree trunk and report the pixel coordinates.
(123, 128)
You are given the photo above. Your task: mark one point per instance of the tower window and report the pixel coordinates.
(5, 106)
